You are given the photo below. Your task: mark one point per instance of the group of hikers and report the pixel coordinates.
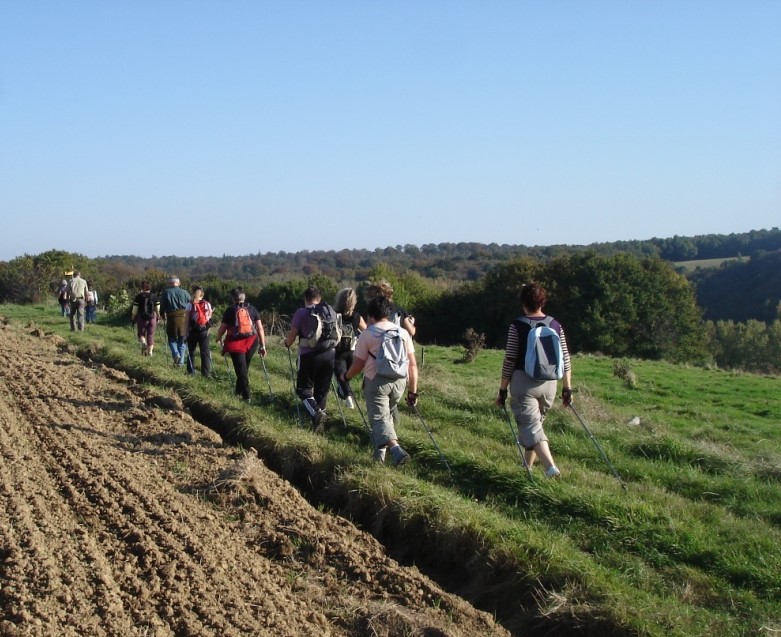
(336, 343)
(78, 300)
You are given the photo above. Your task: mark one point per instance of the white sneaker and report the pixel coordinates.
(552, 472)
(350, 402)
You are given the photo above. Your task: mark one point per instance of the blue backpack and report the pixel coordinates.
(544, 358)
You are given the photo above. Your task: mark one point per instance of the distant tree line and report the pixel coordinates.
(622, 299)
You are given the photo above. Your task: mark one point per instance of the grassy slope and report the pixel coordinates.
(691, 548)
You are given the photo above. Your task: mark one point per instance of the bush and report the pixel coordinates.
(473, 343)
(118, 304)
(623, 370)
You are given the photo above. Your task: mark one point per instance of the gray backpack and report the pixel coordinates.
(391, 360)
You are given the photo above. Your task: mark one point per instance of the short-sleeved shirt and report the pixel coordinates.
(77, 289)
(232, 343)
(301, 321)
(369, 342)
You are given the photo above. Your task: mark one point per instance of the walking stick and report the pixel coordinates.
(295, 395)
(518, 443)
(338, 402)
(430, 435)
(596, 444)
(268, 379)
(360, 411)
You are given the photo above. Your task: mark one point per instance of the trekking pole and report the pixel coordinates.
(360, 411)
(596, 444)
(430, 435)
(227, 365)
(338, 401)
(268, 379)
(517, 443)
(295, 395)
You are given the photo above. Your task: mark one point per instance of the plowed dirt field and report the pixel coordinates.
(121, 515)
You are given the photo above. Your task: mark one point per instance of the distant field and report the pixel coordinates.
(691, 266)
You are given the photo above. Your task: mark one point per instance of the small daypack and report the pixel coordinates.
(90, 296)
(147, 309)
(544, 359)
(396, 317)
(323, 329)
(391, 360)
(244, 326)
(349, 335)
(199, 316)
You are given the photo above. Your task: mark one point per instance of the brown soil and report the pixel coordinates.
(121, 515)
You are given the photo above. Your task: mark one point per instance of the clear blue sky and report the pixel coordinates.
(236, 127)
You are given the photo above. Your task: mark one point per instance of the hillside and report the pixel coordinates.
(691, 547)
(123, 516)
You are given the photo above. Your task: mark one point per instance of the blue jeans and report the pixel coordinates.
(178, 348)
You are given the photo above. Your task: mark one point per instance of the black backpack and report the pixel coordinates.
(323, 329)
(349, 334)
(147, 307)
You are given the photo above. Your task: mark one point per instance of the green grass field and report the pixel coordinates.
(691, 547)
(691, 266)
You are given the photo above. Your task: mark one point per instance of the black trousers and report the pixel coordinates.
(314, 376)
(241, 367)
(342, 362)
(198, 337)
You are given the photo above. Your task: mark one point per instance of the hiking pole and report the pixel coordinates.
(596, 444)
(338, 401)
(430, 435)
(265, 371)
(227, 365)
(360, 411)
(518, 443)
(295, 395)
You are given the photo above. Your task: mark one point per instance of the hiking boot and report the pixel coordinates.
(399, 456)
(379, 455)
(552, 472)
(177, 360)
(350, 402)
(318, 422)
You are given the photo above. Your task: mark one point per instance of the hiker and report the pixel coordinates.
(173, 309)
(92, 302)
(383, 393)
(352, 325)
(244, 336)
(77, 293)
(316, 353)
(199, 313)
(531, 399)
(144, 315)
(397, 315)
(62, 297)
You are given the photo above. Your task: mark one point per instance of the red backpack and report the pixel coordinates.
(200, 318)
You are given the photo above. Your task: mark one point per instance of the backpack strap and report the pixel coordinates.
(380, 334)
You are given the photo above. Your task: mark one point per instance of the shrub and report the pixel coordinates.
(623, 370)
(473, 343)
